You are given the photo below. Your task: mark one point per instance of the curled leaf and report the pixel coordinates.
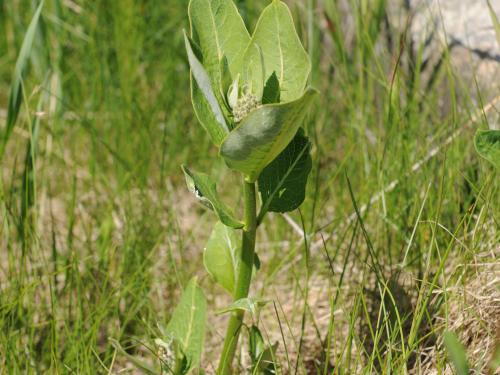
(250, 305)
(202, 186)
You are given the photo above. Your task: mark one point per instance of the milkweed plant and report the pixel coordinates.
(250, 94)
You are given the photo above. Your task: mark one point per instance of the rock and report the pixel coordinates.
(466, 27)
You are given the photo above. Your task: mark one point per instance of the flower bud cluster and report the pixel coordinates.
(244, 106)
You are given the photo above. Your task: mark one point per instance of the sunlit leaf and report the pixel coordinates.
(221, 256)
(188, 321)
(219, 30)
(282, 183)
(202, 186)
(250, 305)
(277, 41)
(205, 102)
(263, 135)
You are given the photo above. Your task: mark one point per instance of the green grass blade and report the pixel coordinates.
(456, 352)
(16, 96)
(494, 19)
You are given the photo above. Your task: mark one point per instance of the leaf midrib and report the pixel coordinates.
(191, 319)
(217, 42)
(278, 32)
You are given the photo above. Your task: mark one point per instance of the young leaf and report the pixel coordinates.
(271, 93)
(283, 53)
(187, 324)
(225, 83)
(221, 256)
(16, 95)
(205, 102)
(205, 190)
(263, 135)
(487, 143)
(282, 183)
(456, 352)
(250, 305)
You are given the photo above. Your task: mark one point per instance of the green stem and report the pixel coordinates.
(243, 279)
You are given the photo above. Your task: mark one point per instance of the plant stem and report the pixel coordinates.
(243, 279)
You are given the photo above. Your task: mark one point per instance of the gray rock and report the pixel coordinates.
(466, 28)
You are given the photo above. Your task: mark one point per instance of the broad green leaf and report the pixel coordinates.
(276, 39)
(219, 30)
(221, 256)
(248, 304)
(271, 93)
(205, 190)
(205, 102)
(282, 183)
(187, 324)
(456, 353)
(263, 135)
(487, 144)
(16, 90)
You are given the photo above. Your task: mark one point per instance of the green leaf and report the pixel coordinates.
(16, 90)
(487, 144)
(271, 93)
(263, 135)
(205, 102)
(248, 304)
(221, 256)
(219, 30)
(205, 190)
(456, 352)
(226, 82)
(276, 38)
(187, 324)
(282, 183)
(262, 356)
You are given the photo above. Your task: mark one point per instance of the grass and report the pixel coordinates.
(99, 233)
